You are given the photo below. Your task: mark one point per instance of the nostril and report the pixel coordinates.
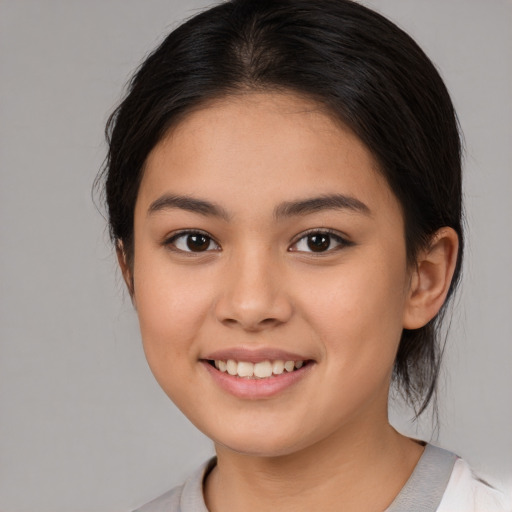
(249, 325)
(229, 321)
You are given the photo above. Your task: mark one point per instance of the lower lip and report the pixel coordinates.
(255, 389)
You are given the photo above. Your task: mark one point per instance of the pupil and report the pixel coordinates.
(198, 242)
(318, 243)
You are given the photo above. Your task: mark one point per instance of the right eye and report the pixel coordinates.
(192, 241)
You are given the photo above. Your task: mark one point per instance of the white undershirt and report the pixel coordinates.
(465, 493)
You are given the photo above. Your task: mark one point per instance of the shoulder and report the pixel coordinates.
(187, 497)
(444, 482)
(466, 492)
(168, 502)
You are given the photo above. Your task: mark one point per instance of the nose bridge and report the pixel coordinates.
(252, 295)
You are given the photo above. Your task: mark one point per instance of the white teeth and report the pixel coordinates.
(245, 369)
(289, 366)
(231, 367)
(278, 367)
(261, 370)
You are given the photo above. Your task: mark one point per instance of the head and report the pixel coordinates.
(346, 62)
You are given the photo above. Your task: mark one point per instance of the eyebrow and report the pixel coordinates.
(169, 202)
(286, 209)
(316, 204)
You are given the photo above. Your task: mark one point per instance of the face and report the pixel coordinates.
(265, 238)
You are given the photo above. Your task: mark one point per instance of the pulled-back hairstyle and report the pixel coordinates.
(360, 67)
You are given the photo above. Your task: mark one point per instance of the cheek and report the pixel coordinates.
(358, 309)
(357, 316)
(171, 307)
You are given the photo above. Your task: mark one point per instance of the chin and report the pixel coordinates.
(259, 441)
(259, 447)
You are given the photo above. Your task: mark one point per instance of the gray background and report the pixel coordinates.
(83, 426)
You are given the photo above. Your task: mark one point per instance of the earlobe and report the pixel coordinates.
(431, 279)
(125, 269)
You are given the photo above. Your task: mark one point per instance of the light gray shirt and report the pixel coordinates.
(422, 492)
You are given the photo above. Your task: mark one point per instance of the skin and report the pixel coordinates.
(325, 441)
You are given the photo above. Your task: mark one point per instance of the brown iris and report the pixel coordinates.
(198, 242)
(319, 242)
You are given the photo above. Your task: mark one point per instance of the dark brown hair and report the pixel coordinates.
(362, 68)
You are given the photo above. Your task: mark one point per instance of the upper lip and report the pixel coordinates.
(254, 355)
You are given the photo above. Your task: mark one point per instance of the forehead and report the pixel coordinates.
(265, 147)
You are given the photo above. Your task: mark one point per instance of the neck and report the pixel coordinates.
(358, 470)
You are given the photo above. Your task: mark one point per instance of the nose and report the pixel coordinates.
(252, 295)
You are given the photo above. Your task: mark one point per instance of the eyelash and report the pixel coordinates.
(330, 234)
(171, 242)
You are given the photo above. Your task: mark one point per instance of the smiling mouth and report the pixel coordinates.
(260, 370)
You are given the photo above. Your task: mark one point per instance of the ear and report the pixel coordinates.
(431, 278)
(125, 269)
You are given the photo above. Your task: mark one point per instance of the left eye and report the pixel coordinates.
(319, 241)
(193, 242)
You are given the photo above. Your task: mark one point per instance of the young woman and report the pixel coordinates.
(284, 192)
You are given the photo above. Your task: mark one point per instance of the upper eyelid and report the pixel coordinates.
(168, 239)
(328, 231)
(342, 239)
(183, 232)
